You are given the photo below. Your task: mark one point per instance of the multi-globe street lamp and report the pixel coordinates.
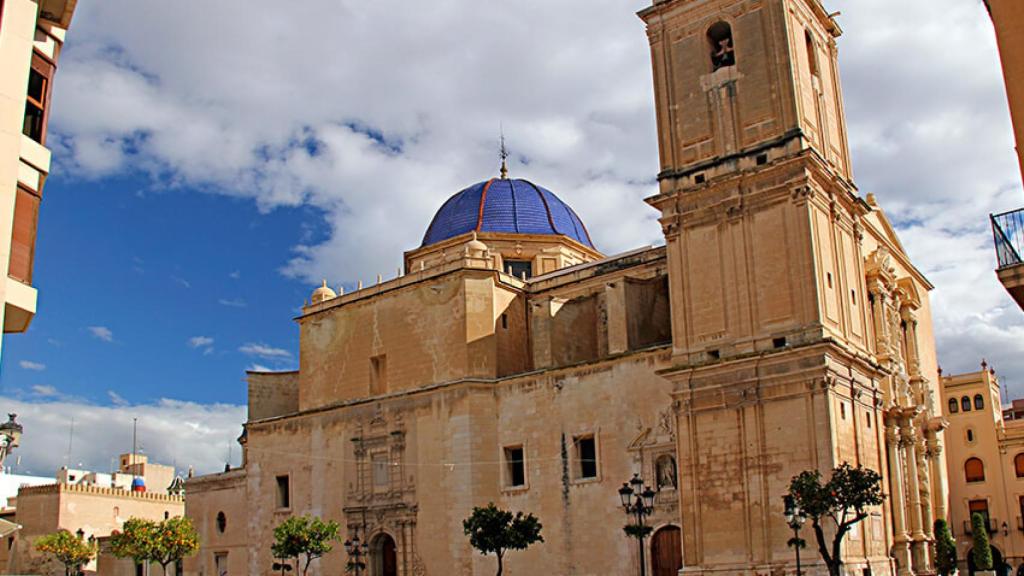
(638, 501)
(795, 517)
(357, 554)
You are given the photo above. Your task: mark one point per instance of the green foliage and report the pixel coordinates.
(495, 531)
(304, 538)
(945, 549)
(136, 540)
(68, 549)
(635, 531)
(844, 500)
(146, 541)
(981, 552)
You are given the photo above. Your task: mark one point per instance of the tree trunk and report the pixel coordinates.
(501, 566)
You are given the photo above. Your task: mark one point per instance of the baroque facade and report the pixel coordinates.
(781, 328)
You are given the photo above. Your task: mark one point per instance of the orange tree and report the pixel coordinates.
(304, 539)
(165, 542)
(68, 549)
(844, 500)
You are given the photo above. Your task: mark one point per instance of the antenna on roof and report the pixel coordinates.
(504, 155)
(71, 440)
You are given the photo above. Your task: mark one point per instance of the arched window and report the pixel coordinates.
(1018, 463)
(965, 404)
(720, 39)
(974, 470)
(812, 53)
(954, 407)
(979, 402)
(222, 522)
(970, 435)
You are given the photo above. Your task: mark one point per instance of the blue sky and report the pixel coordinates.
(211, 166)
(186, 283)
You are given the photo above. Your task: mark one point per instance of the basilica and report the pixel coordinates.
(780, 328)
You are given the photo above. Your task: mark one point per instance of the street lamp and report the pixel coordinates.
(357, 553)
(10, 435)
(795, 517)
(638, 500)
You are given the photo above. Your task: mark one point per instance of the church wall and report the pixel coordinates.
(272, 394)
(419, 332)
(207, 497)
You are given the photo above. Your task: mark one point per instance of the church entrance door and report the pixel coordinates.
(666, 552)
(384, 559)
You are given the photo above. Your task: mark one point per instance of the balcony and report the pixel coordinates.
(993, 526)
(1008, 234)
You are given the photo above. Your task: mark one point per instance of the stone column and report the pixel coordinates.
(901, 549)
(935, 462)
(908, 442)
(615, 306)
(926, 502)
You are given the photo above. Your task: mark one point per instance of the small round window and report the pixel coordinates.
(222, 522)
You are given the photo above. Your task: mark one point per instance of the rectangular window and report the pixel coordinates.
(37, 99)
(515, 467)
(519, 268)
(381, 470)
(586, 457)
(378, 374)
(284, 499)
(220, 563)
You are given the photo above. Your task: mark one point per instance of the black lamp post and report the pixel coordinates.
(638, 500)
(795, 517)
(357, 554)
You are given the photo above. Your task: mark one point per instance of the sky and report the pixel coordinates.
(211, 165)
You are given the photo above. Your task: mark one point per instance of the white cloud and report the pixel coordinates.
(181, 281)
(116, 398)
(235, 275)
(44, 390)
(102, 333)
(147, 86)
(265, 352)
(258, 368)
(170, 431)
(233, 303)
(200, 341)
(29, 365)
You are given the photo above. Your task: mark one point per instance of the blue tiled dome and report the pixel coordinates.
(510, 206)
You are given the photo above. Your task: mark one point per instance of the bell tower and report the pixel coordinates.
(776, 361)
(740, 83)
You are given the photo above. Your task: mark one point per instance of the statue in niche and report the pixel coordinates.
(665, 472)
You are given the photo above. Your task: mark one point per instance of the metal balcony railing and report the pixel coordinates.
(1008, 233)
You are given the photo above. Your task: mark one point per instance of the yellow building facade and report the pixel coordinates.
(781, 328)
(31, 36)
(985, 454)
(92, 505)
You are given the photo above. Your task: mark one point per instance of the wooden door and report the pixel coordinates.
(389, 558)
(666, 552)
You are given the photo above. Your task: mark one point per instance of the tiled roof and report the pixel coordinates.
(509, 206)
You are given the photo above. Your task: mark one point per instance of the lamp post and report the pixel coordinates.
(357, 554)
(795, 517)
(10, 436)
(638, 500)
